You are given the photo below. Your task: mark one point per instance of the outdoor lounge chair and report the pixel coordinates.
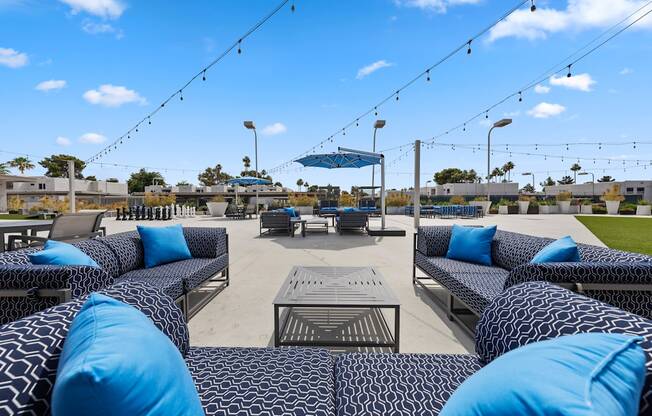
(65, 227)
(277, 221)
(312, 381)
(368, 206)
(328, 207)
(352, 221)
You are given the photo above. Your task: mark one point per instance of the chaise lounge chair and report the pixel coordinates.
(277, 221)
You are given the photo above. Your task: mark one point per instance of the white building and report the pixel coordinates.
(471, 189)
(636, 189)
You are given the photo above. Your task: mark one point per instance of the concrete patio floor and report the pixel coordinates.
(242, 315)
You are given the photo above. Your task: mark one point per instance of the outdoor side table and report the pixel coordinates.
(316, 224)
(336, 307)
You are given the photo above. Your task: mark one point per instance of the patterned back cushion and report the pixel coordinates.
(101, 254)
(433, 240)
(17, 256)
(30, 348)
(602, 254)
(205, 242)
(538, 311)
(513, 249)
(128, 248)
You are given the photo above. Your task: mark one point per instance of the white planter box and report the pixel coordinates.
(523, 206)
(643, 209)
(503, 210)
(486, 205)
(612, 207)
(586, 209)
(395, 210)
(217, 209)
(304, 210)
(564, 206)
(548, 209)
(574, 209)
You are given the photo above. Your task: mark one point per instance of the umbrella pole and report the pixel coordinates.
(382, 192)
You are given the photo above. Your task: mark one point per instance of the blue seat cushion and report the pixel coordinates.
(163, 244)
(562, 250)
(291, 211)
(257, 381)
(585, 374)
(57, 253)
(472, 244)
(115, 361)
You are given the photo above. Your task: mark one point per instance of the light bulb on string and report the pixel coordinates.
(569, 71)
(396, 95)
(464, 128)
(520, 97)
(468, 47)
(239, 46)
(181, 95)
(375, 111)
(599, 146)
(293, 8)
(203, 77)
(149, 120)
(634, 145)
(428, 75)
(533, 7)
(486, 114)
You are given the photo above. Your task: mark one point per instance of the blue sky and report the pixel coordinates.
(76, 72)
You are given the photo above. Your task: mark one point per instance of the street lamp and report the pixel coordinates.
(529, 174)
(250, 126)
(500, 123)
(427, 193)
(379, 124)
(592, 181)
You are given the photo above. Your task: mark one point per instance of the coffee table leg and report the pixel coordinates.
(277, 336)
(397, 327)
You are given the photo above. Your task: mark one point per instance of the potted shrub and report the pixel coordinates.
(482, 202)
(574, 206)
(395, 203)
(503, 206)
(586, 206)
(612, 199)
(599, 209)
(523, 204)
(643, 207)
(302, 203)
(627, 209)
(534, 206)
(217, 206)
(564, 200)
(457, 200)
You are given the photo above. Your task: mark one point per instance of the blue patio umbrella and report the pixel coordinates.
(348, 158)
(246, 181)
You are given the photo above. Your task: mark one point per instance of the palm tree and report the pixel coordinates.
(3, 169)
(575, 168)
(496, 173)
(306, 185)
(507, 168)
(247, 162)
(299, 183)
(22, 164)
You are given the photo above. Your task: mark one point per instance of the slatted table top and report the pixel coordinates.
(335, 287)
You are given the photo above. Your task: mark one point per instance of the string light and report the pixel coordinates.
(569, 71)
(428, 75)
(203, 77)
(239, 46)
(181, 95)
(520, 97)
(468, 47)
(533, 7)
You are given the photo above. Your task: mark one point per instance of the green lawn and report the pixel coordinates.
(630, 234)
(13, 217)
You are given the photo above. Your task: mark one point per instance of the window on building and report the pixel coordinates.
(41, 186)
(629, 190)
(640, 190)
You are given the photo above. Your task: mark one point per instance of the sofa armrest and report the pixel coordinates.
(81, 280)
(206, 242)
(433, 240)
(618, 275)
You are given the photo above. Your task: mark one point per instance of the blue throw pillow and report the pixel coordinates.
(116, 362)
(291, 211)
(163, 244)
(562, 250)
(585, 374)
(61, 254)
(472, 244)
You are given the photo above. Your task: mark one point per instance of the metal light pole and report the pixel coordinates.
(529, 174)
(500, 123)
(379, 124)
(592, 182)
(427, 192)
(250, 125)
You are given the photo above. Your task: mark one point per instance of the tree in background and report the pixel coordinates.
(528, 189)
(299, 184)
(455, 175)
(548, 182)
(183, 183)
(112, 180)
(279, 184)
(3, 169)
(91, 178)
(313, 188)
(306, 185)
(606, 178)
(139, 180)
(57, 166)
(213, 176)
(566, 180)
(497, 173)
(22, 164)
(507, 169)
(575, 168)
(246, 162)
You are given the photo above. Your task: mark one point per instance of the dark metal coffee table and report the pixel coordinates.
(335, 307)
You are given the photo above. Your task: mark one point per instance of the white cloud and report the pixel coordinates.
(12, 58)
(512, 114)
(113, 96)
(541, 89)
(95, 28)
(437, 6)
(93, 138)
(371, 68)
(274, 129)
(581, 82)
(53, 84)
(107, 9)
(63, 141)
(546, 110)
(578, 15)
(626, 71)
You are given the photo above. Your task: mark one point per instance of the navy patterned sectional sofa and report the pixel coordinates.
(616, 277)
(301, 381)
(26, 288)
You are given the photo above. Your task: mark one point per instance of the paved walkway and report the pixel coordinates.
(242, 314)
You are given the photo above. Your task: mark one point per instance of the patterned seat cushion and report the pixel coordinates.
(538, 311)
(270, 381)
(597, 254)
(172, 286)
(30, 347)
(190, 273)
(476, 285)
(398, 384)
(509, 250)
